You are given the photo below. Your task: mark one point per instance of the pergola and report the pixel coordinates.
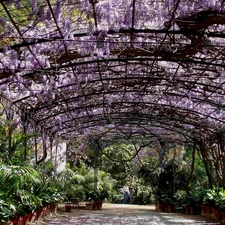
(150, 68)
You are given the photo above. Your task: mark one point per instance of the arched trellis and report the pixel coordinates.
(78, 74)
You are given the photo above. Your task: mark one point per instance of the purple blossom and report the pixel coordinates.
(34, 5)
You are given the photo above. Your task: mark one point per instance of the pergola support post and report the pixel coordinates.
(222, 156)
(207, 164)
(96, 148)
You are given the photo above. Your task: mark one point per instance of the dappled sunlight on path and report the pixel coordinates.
(116, 214)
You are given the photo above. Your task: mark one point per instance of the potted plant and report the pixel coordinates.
(221, 204)
(165, 202)
(170, 203)
(207, 205)
(192, 203)
(219, 208)
(161, 200)
(68, 206)
(75, 194)
(17, 190)
(96, 198)
(102, 192)
(89, 204)
(99, 197)
(211, 201)
(7, 211)
(68, 200)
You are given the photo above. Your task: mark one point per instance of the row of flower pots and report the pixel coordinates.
(30, 190)
(213, 213)
(160, 207)
(33, 217)
(94, 205)
(170, 208)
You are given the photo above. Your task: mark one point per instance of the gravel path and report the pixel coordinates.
(118, 214)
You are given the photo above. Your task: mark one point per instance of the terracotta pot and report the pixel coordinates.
(170, 208)
(193, 210)
(32, 217)
(208, 209)
(98, 205)
(89, 206)
(187, 209)
(24, 220)
(160, 207)
(68, 207)
(39, 213)
(204, 210)
(53, 207)
(15, 221)
(223, 214)
(217, 214)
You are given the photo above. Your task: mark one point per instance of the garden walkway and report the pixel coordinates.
(118, 214)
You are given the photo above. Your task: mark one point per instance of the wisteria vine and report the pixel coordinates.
(125, 67)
